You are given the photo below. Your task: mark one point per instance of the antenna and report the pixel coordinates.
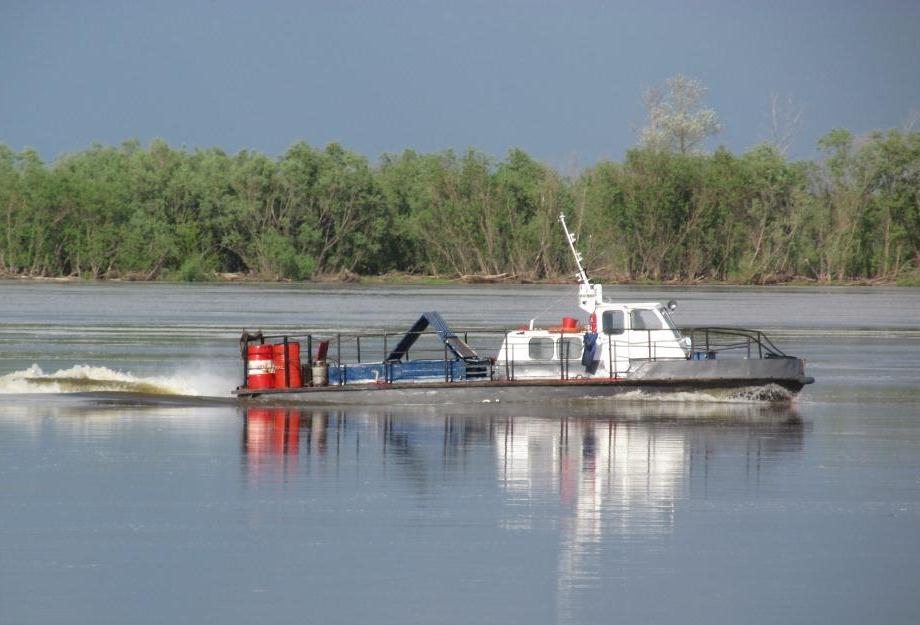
(570, 237)
(589, 295)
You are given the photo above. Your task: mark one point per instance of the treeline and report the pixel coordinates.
(158, 212)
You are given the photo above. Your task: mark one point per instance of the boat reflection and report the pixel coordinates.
(593, 475)
(624, 474)
(271, 435)
(632, 460)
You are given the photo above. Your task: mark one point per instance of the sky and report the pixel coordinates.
(560, 80)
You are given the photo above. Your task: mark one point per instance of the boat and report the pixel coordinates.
(617, 350)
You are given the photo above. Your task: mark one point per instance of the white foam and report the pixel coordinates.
(743, 395)
(88, 379)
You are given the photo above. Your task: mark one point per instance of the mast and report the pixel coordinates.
(589, 295)
(570, 237)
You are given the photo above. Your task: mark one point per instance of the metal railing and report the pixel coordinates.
(372, 348)
(614, 355)
(711, 341)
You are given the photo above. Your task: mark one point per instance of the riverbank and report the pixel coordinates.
(911, 279)
(157, 212)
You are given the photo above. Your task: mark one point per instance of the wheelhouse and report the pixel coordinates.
(619, 334)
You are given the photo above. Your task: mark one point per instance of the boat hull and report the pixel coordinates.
(760, 380)
(786, 369)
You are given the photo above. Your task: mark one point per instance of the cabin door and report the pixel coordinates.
(614, 342)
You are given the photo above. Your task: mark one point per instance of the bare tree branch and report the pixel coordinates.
(785, 116)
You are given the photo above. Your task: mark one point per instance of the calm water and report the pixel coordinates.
(143, 509)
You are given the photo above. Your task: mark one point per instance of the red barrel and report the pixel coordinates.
(569, 323)
(292, 365)
(260, 369)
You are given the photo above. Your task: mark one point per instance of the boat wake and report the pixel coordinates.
(90, 379)
(742, 395)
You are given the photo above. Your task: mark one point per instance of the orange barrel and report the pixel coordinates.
(569, 323)
(260, 370)
(292, 365)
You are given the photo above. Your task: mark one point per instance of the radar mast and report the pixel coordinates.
(589, 295)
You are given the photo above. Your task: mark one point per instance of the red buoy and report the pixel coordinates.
(291, 364)
(260, 370)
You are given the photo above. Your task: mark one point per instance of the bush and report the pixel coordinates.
(194, 269)
(910, 278)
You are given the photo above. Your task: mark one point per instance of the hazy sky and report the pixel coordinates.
(562, 80)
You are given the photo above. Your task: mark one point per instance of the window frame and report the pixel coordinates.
(574, 354)
(543, 340)
(621, 329)
(636, 315)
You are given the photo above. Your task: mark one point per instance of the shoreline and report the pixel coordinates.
(402, 279)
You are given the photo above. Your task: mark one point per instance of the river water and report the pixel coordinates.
(171, 504)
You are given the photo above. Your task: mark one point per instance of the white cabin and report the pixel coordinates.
(627, 334)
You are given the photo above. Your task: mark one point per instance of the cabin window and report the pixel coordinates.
(612, 321)
(645, 319)
(540, 348)
(570, 348)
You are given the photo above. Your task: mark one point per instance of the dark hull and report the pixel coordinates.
(757, 380)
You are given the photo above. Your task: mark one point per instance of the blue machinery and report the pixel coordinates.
(460, 361)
